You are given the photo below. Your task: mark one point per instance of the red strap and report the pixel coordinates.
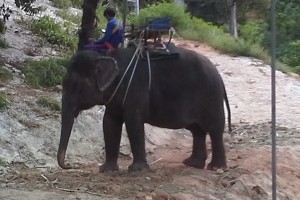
(109, 46)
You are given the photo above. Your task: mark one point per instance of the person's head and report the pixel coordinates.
(109, 12)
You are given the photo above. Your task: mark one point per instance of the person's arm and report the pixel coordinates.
(108, 32)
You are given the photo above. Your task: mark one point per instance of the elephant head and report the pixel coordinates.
(88, 76)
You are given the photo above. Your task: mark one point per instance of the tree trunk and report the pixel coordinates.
(87, 22)
(233, 29)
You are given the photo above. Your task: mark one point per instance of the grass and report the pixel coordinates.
(48, 102)
(66, 15)
(2, 162)
(61, 4)
(5, 75)
(2, 27)
(61, 34)
(45, 73)
(4, 102)
(67, 3)
(3, 43)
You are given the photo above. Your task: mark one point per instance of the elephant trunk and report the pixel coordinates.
(67, 121)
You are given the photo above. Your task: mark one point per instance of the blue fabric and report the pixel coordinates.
(113, 38)
(159, 24)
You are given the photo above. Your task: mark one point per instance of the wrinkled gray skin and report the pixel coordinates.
(186, 92)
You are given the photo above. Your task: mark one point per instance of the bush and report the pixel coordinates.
(4, 103)
(289, 53)
(45, 73)
(197, 29)
(2, 27)
(67, 3)
(61, 4)
(5, 75)
(3, 43)
(66, 15)
(62, 35)
(50, 103)
(254, 31)
(77, 3)
(176, 13)
(2, 162)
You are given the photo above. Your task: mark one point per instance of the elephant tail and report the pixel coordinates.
(228, 110)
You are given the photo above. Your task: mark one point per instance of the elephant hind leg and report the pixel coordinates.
(218, 160)
(199, 154)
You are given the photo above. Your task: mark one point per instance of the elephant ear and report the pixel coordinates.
(106, 71)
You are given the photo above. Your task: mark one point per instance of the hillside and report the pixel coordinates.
(29, 136)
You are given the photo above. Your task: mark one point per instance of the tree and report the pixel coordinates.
(233, 28)
(88, 22)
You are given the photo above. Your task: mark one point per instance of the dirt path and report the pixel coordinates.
(248, 152)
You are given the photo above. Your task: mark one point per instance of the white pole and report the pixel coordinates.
(273, 64)
(137, 7)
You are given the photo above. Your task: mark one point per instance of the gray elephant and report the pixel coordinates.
(184, 91)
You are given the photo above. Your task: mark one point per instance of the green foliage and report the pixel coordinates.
(2, 27)
(290, 53)
(45, 73)
(77, 3)
(67, 3)
(55, 33)
(48, 102)
(254, 31)
(61, 4)
(101, 24)
(5, 75)
(66, 15)
(252, 10)
(199, 30)
(3, 43)
(4, 102)
(202, 31)
(288, 33)
(2, 162)
(288, 20)
(176, 13)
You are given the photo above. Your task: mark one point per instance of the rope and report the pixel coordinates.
(149, 68)
(137, 52)
(130, 80)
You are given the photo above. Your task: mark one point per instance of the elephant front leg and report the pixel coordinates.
(136, 136)
(112, 130)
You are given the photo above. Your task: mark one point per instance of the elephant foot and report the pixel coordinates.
(214, 165)
(108, 167)
(138, 166)
(193, 162)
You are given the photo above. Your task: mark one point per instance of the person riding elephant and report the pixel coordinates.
(113, 35)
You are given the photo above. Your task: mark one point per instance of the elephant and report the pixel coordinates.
(183, 91)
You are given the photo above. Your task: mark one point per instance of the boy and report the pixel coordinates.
(113, 34)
